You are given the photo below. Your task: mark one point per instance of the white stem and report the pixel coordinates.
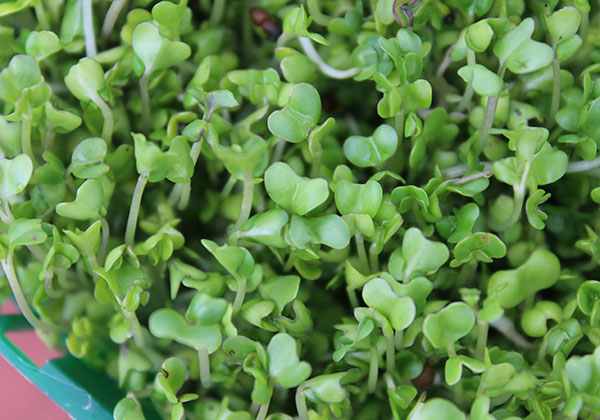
(111, 17)
(507, 328)
(583, 166)
(88, 28)
(325, 68)
(460, 170)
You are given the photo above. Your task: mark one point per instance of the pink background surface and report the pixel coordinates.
(19, 399)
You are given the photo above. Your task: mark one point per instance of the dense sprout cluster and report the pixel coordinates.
(323, 209)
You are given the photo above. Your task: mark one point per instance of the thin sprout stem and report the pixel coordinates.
(247, 196)
(136, 328)
(555, 91)
(40, 14)
(486, 173)
(181, 192)
(459, 170)
(134, 210)
(519, 198)
(490, 114)
(279, 148)
(49, 138)
(315, 171)
(450, 349)
(468, 95)
(362, 254)
(373, 370)
(204, 367)
(507, 328)
(482, 334)
(184, 197)
(240, 294)
(7, 217)
(390, 355)
(262, 412)
(291, 260)
(374, 258)
(145, 96)
(315, 12)
(228, 187)
(325, 68)
(352, 297)
(15, 286)
(88, 28)
(111, 17)
(105, 238)
(216, 13)
(399, 125)
(107, 115)
(301, 403)
(26, 136)
(37, 252)
(195, 150)
(175, 196)
(48, 285)
(583, 166)
(584, 27)
(444, 64)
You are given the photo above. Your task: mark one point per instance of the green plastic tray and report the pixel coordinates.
(83, 393)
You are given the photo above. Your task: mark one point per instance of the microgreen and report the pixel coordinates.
(275, 210)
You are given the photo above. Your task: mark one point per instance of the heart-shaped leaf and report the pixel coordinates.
(150, 160)
(88, 204)
(419, 255)
(540, 271)
(292, 192)
(328, 230)
(358, 199)
(236, 260)
(588, 294)
(22, 84)
(154, 50)
(454, 365)
(448, 325)
(266, 228)
(436, 409)
(299, 116)
(530, 56)
(128, 409)
(479, 246)
(249, 160)
(374, 150)
(85, 80)
(206, 310)
(171, 377)
(60, 121)
(563, 23)
(536, 216)
(511, 40)
(284, 365)
(23, 232)
(400, 311)
(14, 175)
(281, 290)
(168, 323)
(484, 81)
(87, 160)
(42, 44)
(326, 389)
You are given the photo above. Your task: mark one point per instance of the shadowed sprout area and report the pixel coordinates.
(311, 210)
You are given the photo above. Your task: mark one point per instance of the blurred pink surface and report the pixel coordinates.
(19, 399)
